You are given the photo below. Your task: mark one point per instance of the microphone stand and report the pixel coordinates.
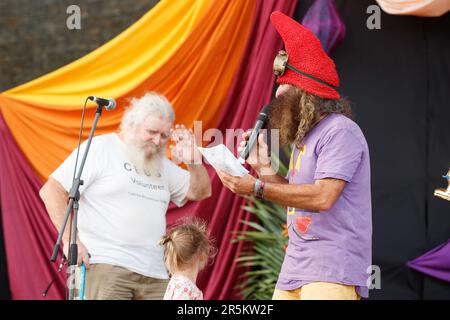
(72, 207)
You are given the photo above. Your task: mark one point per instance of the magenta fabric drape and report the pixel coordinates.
(30, 236)
(28, 233)
(251, 89)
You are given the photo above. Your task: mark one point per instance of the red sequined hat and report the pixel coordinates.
(308, 67)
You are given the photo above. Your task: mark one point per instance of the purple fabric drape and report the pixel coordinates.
(28, 232)
(324, 20)
(435, 263)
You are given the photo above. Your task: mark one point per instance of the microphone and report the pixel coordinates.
(260, 123)
(109, 104)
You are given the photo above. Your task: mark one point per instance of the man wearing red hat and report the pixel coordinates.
(327, 189)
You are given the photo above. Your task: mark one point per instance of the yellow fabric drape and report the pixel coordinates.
(188, 50)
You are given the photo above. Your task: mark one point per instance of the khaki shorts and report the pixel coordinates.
(108, 282)
(318, 291)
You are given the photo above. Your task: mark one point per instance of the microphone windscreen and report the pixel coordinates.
(111, 105)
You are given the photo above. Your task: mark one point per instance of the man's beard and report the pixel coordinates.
(284, 115)
(146, 163)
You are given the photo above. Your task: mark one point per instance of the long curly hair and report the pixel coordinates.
(296, 112)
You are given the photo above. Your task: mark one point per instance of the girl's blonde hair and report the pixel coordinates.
(187, 242)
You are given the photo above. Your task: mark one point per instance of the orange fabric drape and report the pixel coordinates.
(195, 73)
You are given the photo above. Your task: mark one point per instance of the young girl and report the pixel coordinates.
(187, 249)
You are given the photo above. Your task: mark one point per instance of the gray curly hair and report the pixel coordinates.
(150, 103)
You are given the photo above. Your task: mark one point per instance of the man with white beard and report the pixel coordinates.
(128, 184)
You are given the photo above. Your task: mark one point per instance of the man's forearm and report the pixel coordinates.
(56, 211)
(268, 175)
(302, 196)
(200, 182)
(55, 202)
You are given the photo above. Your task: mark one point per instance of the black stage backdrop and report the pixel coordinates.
(398, 80)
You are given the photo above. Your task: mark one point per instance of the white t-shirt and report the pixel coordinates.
(122, 214)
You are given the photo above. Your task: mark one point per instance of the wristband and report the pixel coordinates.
(256, 187)
(259, 189)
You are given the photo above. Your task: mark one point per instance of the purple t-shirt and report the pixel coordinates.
(334, 245)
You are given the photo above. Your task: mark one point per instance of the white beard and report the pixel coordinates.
(150, 165)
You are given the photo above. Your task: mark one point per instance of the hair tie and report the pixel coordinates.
(164, 240)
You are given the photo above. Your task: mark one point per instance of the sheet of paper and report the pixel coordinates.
(221, 158)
